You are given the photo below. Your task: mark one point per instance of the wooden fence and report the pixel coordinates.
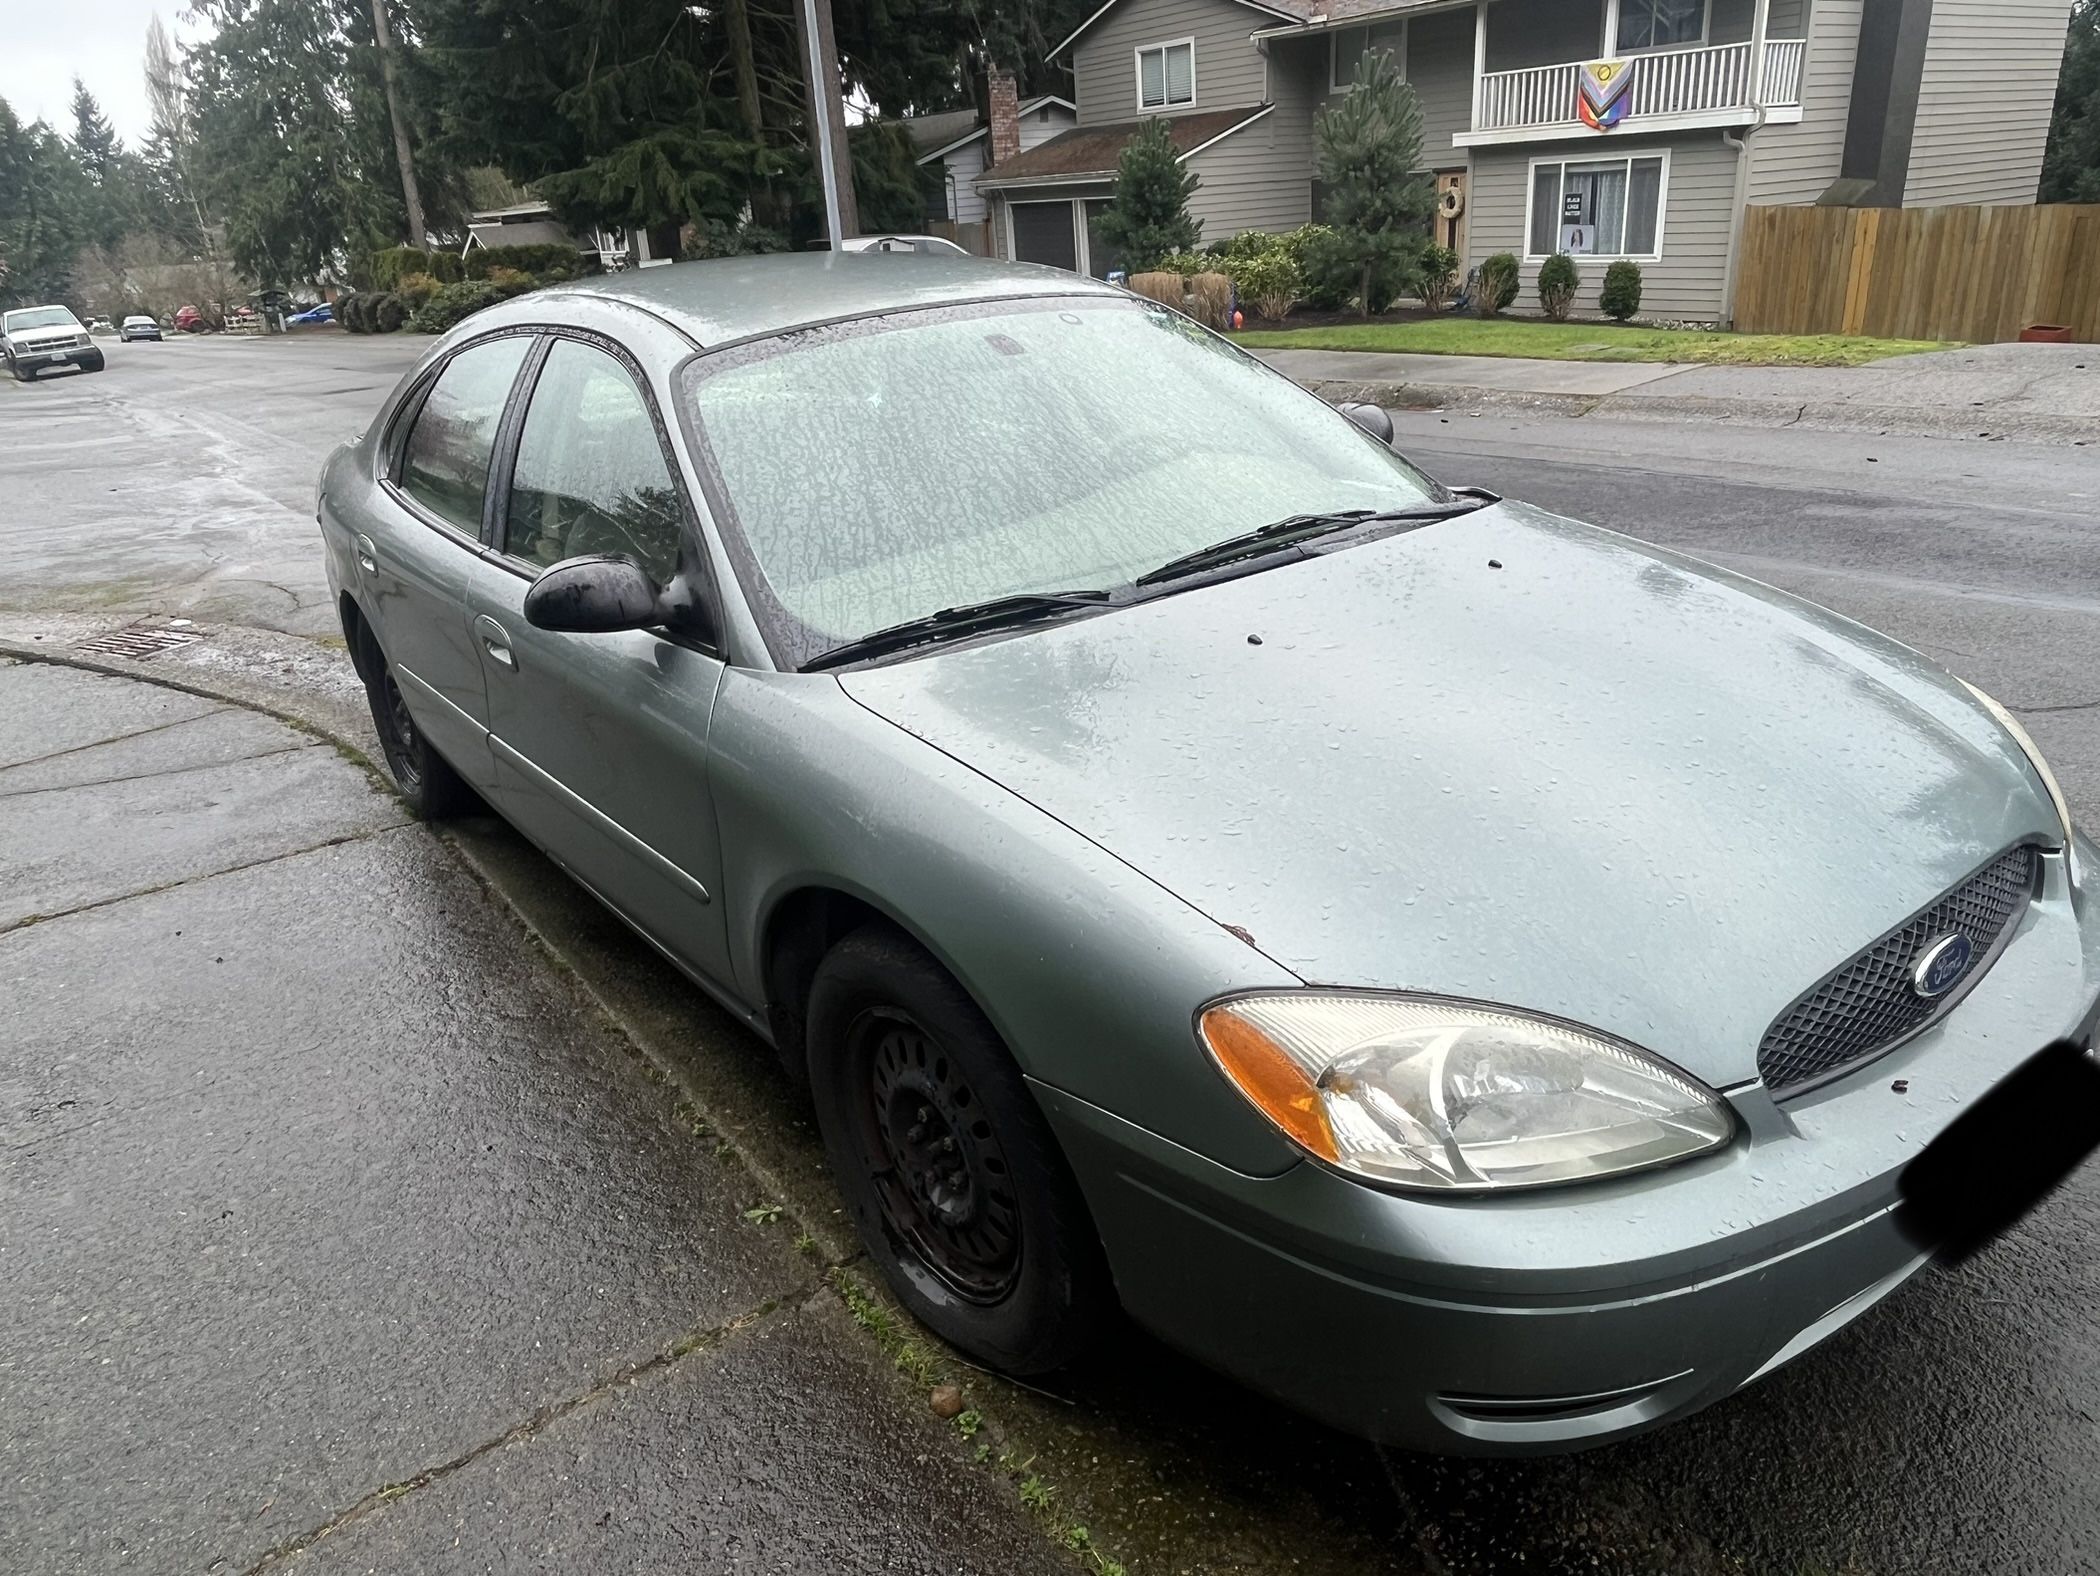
(1973, 274)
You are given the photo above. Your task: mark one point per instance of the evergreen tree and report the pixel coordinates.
(1148, 218)
(113, 179)
(1369, 145)
(41, 198)
(2071, 172)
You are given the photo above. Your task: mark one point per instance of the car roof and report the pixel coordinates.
(732, 298)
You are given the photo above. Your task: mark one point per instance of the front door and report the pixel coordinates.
(1450, 222)
(600, 741)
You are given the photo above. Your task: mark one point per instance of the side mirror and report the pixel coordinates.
(1372, 419)
(594, 596)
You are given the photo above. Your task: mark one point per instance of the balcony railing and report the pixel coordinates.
(1669, 82)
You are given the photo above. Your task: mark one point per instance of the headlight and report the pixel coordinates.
(1419, 1093)
(2011, 724)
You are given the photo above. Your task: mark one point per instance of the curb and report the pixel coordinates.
(1909, 421)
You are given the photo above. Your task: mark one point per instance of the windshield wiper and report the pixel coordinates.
(973, 618)
(1279, 534)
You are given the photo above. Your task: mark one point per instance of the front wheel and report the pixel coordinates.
(959, 1191)
(93, 363)
(428, 785)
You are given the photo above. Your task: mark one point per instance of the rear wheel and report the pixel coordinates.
(949, 1170)
(432, 790)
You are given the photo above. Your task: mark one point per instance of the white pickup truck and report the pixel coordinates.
(36, 337)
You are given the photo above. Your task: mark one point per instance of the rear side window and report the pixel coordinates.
(445, 463)
(591, 476)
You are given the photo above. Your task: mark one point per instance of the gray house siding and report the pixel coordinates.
(1440, 65)
(1257, 179)
(1797, 163)
(1230, 71)
(1686, 282)
(1522, 36)
(1984, 105)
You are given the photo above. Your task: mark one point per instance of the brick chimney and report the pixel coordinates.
(1004, 114)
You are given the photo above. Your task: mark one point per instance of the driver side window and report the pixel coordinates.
(590, 475)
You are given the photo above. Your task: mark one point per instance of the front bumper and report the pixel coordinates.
(68, 355)
(1567, 1318)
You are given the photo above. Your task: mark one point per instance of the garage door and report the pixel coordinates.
(1043, 234)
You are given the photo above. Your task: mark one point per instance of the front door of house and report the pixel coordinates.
(1450, 222)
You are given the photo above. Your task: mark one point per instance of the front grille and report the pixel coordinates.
(1868, 1005)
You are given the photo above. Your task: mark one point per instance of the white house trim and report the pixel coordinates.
(1662, 200)
(1639, 126)
(1251, 5)
(1137, 72)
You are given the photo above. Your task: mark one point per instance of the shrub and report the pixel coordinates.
(1559, 279)
(549, 260)
(1622, 291)
(454, 303)
(415, 289)
(718, 238)
(1498, 285)
(389, 267)
(1210, 300)
(1186, 264)
(511, 282)
(1168, 289)
(1269, 281)
(1333, 272)
(1251, 243)
(1439, 276)
(387, 313)
(350, 312)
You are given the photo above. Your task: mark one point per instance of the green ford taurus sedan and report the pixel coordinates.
(1478, 978)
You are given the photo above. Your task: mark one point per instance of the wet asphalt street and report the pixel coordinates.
(196, 1391)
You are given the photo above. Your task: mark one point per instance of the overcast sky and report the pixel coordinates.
(44, 44)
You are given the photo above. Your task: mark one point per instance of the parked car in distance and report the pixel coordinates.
(311, 317)
(1483, 980)
(37, 338)
(101, 325)
(189, 320)
(137, 326)
(923, 245)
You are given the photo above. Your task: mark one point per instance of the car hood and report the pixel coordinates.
(1508, 758)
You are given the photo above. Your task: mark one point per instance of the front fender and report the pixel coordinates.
(1091, 972)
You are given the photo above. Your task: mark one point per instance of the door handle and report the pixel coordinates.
(367, 555)
(495, 640)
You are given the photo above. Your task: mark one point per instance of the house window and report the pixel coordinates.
(1167, 75)
(1598, 207)
(1347, 47)
(1661, 24)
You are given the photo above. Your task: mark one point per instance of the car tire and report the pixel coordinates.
(93, 363)
(948, 1168)
(426, 782)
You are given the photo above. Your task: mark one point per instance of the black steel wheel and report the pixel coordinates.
(430, 788)
(958, 1188)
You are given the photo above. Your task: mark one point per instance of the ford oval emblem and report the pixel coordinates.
(1942, 966)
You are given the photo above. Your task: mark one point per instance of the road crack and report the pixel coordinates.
(667, 1356)
(117, 738)
(165, 771)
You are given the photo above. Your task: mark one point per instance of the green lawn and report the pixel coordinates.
(1467, 336)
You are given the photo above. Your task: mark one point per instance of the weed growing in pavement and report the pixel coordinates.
(967, 1423)
(763, 1214)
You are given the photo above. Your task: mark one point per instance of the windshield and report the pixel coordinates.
(877, 471)
(39, 317)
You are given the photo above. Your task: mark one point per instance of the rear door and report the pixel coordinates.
(600, 741)
(423, 541)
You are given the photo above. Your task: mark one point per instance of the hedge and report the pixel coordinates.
(389, 267)
(549, 261)
(453, 304)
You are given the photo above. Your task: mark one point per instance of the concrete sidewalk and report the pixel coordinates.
(2024, 393)
(334, 1223)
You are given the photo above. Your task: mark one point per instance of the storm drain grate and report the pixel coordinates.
(139, 641)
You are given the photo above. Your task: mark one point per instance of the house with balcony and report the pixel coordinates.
(1718, 104)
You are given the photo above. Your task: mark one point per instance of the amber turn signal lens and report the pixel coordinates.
(1267, 1076)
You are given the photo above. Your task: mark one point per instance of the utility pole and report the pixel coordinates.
(827, 119)
(411, 196)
